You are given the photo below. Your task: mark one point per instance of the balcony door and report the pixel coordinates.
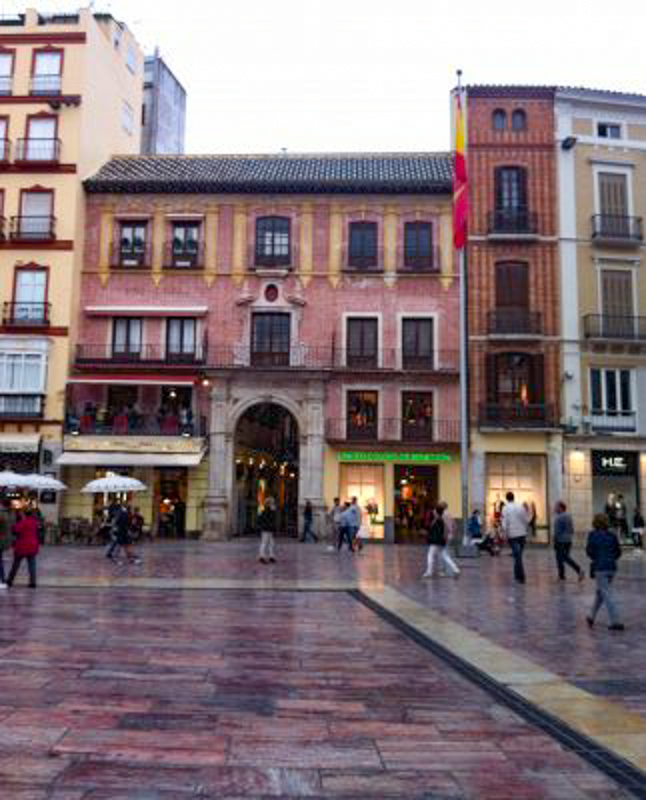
(362, 416)
(46, 77)
(36, 215)
(126, 339)
(617, 303)
(362, 342)
(512, 298)
(613, 204)
(41, 139)
(515, 387)
(417, 343)
(30, 296)
(270, 339)
(181, 340)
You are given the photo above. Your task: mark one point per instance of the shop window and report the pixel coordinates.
(362, 416)
(366, 483)
(272, 241)
(417, 416)
(362, 342)
(417, 343)
(526, 476)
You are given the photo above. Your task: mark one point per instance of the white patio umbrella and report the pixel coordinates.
(44, 483)
(114, 483)
(13, 479)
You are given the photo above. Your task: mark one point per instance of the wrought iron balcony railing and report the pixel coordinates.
(617, 229)
(48, 150)
(610, 326)
(26, 313)
(517, 415)
(613, 421)
(394, 429)
(139, 354)
(415, 263)
(514, 321)
(131, 423)
(131, 255)
(33, 228)
(512, 222)
(46, 85)
(183, 255)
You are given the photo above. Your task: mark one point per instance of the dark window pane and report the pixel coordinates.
(499, 120)
(272, 241)
(611, 390)
(418, 240)
(518, 120)
(595, 382)
(626, 400)
(363, 244)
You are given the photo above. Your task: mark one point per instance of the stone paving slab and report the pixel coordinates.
(309, 694)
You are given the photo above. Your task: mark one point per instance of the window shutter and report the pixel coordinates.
(613, 194)
(512, 286)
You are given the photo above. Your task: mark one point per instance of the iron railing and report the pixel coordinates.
(33, 228)
(513, 222)
(613, 421)
(132, 255)
(514, 321)
(26, 313)
(415, 263)
(132, 423)
(48, 150)
(517, 415)
(610, 326)
(394, 429)
(184, 255)
(617, 228)
(22, 405)
(138, 354)
(46, 85)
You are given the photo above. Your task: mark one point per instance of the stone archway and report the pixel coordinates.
(267, 464)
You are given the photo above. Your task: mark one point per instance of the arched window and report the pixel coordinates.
(518, 120)
(272, 241)
(499, 119)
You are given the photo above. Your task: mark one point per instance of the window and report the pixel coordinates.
(608, 130)
(418, 245)
(22, 383)
(518, 120)
(133, 249)
(46, 72)
(362, 415)
(181, 340)
(185, 245)
(362, 344)
(4, 138)
(363, 245)
(131, 58)
(617, 303)
(127, 118)
(126, 338)
(6, 73)
(510, 190)
(515, 380)
(272, 241)
(611, 399)
(417, 343)
(512, 313)
(270, 339)
(41, 143)
(417, 416)
(35, 220)
(499, 119)
(30, 295)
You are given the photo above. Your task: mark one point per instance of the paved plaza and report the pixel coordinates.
(203, 674)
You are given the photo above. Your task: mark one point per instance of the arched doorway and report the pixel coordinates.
(266, 465)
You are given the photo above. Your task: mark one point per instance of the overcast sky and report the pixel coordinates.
(335, 75)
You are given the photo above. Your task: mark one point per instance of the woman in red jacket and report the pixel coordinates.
(25, 546)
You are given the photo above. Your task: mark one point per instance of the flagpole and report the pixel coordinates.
(464, 375)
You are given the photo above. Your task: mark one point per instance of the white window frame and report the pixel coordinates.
(401, 316)
(614, 122)
(604, 410)
(362, 387)
(615, 169)
(616, 267)
(432, 390)
(344, 333)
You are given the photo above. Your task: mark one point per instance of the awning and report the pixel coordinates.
(129, 459)
(148, 380)
(19, 442)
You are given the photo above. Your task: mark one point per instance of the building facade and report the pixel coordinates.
(514, 300)
(163, 111)
(601, 146)
(70, 90)
(272, 325)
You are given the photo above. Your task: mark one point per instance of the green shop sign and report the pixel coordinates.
(405, 458)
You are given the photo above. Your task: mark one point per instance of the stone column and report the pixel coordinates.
(218, 499)
(554, 473)
(478, 493)
(313, 455)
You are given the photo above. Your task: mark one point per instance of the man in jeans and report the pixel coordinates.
(514, 526)
(603, 550)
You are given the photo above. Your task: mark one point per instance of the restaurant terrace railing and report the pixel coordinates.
(394, 429)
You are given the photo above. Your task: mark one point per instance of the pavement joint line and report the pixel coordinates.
(620, 768)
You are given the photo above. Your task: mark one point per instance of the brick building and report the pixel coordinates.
(514, 305)
(258, 325)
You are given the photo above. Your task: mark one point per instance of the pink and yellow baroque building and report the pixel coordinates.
(254, 326)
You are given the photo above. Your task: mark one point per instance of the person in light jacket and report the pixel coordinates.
(603, 550)
(563, 536)
(267, 526)
(514, 527)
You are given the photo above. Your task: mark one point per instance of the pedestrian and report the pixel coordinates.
(603, 550)
(638, 528)
(121, 529)
(6, 537)
(26, 545)
(563, 536)
(267, 526)
(346, 521)
(514, 527)
(621, 516)
(355, 526)
(308, 523)
(335, 523)
(438, 538)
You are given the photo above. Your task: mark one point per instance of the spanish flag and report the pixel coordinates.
(460, 196)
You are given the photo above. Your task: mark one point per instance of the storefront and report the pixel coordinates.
(525, 475)
(615, 480)
(393, 489)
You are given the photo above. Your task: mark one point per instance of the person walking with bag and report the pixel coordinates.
(26, 545)
(563, 536)
(514, 527)
(438, 539)
(603, 550)
(267, 527)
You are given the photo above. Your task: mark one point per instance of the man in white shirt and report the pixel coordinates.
(514, 527)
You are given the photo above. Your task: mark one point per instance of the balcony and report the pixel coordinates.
(613, 421)
(514, 322)
(394, 430)
(183, 255)
(33, 228)
(46, 85)
(517, 415)
(617, 230)
(321, 357)
(130, 255)
(22, 406)
(41, 150)
(132, 423)
(512, 223)
(26, 314)
(606, 326)
(157, 354)
(5, 151)
(430, 263)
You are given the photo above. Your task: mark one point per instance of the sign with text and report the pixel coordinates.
(614, 462)
(402, 458)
